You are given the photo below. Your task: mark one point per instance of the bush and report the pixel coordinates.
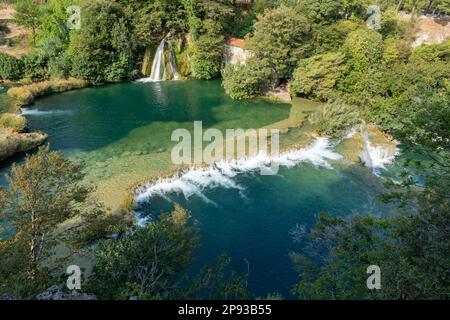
(22, 95)
(207, 53)
(246, 81)
(119, 70)
(36, 68)
(12, 121)
(59, 67)
(26, 94)
(316, 77)
(11, 68)
(335, 119)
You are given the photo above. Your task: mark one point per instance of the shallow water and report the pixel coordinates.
(123, 132)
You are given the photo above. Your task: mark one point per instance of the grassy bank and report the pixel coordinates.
(28, 93)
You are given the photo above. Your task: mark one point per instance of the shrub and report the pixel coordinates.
(335, 119)
(59, 67)
(118, 70)
(12, 121)
(22, 95)
(207, 52)
(36, 68)
(246, 81)
(11, 68)
(316, 77)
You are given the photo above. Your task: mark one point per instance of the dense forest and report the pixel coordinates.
(323, 50)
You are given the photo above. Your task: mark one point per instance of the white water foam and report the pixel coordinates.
(221, 174)
(377, 158)
(37, 112)
(380, 157)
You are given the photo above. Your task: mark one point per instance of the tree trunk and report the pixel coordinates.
(33, 246)
(399, 5)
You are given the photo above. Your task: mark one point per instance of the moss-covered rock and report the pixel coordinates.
(12, 143)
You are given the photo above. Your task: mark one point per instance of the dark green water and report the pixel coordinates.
(251, 217)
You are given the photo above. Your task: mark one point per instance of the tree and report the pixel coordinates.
(215, 283)
(246, 81)
(103, 49)
(53, 21)
(36, 65)
(27, 15)
(410, 249)
(281, 38)
(336, 119)
(42, 193)
(316, 77)
(150, 262)
(209, 25)
(11, 68)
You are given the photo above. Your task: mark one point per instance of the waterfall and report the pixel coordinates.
(377, 157)
(365, 156)
(159, 69)
(173, 64)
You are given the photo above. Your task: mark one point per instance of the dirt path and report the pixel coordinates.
(15, 34)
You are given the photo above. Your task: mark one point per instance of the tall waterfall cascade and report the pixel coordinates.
(159, 71)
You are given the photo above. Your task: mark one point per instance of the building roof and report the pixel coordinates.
(236, 42)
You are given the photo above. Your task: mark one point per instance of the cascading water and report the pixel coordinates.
(173, 64)
(223, 174)
(376, 157)
(159, 72)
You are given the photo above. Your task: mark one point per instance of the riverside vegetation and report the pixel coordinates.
(322, 50)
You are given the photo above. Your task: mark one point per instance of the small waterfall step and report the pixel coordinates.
(159, 72)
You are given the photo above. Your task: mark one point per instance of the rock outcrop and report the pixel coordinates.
(14, 141)
(55, 293)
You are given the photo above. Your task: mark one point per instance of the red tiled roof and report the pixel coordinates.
(236, 42)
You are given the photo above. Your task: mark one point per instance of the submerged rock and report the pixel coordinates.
(12, 143)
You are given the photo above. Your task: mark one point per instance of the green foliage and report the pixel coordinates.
(42, 193)
(323, 10)
(431, 53)
(364, 47)
(152, 20)
(11, 68)
(102, 50)
(148, 263)
(35, 66)
(246, 81)
(207, 52)
(209, 23)
(216, 283)
(11, 121)
(410, 249)
(336, 119)
(52, 21)
(316, 77)
(60, 67)
(27, 14)
(331, 37)
(336, 268)
(14, 270)
(281, 38)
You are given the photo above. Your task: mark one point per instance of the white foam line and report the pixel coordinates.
(194, 181)
(37, 112)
